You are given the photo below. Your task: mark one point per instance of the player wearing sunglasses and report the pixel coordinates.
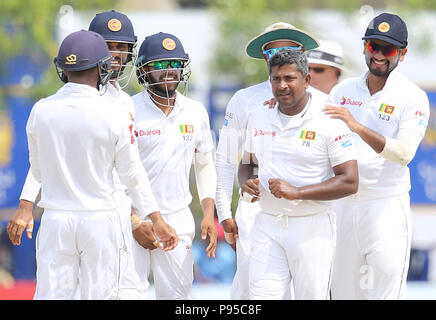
(388, 115)
(325, 65)
(173, 131)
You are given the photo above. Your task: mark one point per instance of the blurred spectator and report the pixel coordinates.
(326, 65)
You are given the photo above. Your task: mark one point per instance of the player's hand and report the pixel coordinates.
(208, 229)
(342, 113)
(230, 232)
(251, 186)
(20, 221)
(283, 189)
(270, 103)
(144, 235)
(166, 234)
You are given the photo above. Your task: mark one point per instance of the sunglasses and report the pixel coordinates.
(163, 64)
(270, 52)
(317, 69)
(386, 50)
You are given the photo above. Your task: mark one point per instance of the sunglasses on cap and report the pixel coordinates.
(270, 52)
(386, 50)
(317, 69)
(163, 64)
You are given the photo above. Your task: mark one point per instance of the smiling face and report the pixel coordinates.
(289, 88)
(379, 63)
(120, 52)
(164, 82)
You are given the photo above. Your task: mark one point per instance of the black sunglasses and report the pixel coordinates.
(317, 69)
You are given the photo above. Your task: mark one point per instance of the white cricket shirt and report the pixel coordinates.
(232, 137)
(401, 104)
(167, 145)
(76, 138)
(114, 92)
(301, 153)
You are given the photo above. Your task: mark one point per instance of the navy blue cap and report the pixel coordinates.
(113, 26)
(389, 28)
(82, 50)
(161, 46)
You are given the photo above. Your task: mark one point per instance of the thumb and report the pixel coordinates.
(29, 229)
(203, 233)
(256, 181)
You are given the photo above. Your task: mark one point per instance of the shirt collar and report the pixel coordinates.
(178, 106)
(389, 82)
(79, 88)
(309, 111)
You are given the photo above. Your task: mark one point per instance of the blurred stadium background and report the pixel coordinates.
(214, 33)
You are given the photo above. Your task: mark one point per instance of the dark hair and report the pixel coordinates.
(288, 56)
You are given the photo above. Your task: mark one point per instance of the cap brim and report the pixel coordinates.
(385, 39)
(326, 63)
(254, 47)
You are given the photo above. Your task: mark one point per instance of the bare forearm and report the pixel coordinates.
(373, 139)
(245, 172)
(334, 188)
(207, 205)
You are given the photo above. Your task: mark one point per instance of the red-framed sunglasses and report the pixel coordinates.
(386, 50)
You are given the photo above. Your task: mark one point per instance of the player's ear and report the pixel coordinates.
(307, 79)
(402, 53)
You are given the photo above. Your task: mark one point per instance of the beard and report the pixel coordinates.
(380, 72)
(162, 88)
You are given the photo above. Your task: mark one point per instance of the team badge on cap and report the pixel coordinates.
(71, 59)
(114, 25)
(384, 27)
(169, 44)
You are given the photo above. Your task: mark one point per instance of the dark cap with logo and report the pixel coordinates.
(82, 50)
(161, 46)
(389, 28)
(113, 26)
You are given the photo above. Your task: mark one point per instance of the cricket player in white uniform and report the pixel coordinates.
(232, 136)
(303, 160)
(172, 131)
(388, 115)
(76, 137)
(117, 30)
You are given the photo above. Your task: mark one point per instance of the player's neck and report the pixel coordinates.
(164, 104)
(375, 83)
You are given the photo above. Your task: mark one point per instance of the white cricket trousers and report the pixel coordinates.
(245, 216)
(285, 248)
(373, 249)
(173, 271)
(78, 247)
(131, 287)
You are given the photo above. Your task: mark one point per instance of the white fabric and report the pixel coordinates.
(228, 155)
(77, 247)
(373, 249)
(402, 149)
(172, 270)
(286, 248)
(75, 138)
(292, 154)
(379, 177)
(205, 175)
(167, 150)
